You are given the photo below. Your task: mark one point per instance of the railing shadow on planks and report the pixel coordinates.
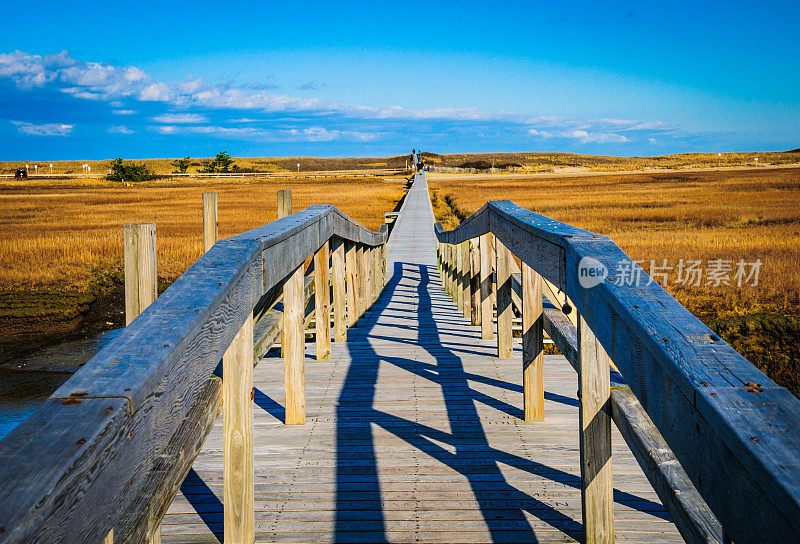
(717, 439)
(102, 458)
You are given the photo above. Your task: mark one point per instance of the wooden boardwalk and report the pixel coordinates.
(414, 434)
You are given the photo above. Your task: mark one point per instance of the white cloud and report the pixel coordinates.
(540, 133)
(123, 112)
(311, 134)
(180, 118)
(121, 129)
(586, 137)
(46, 129)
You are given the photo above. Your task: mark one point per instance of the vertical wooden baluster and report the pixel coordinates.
(237, 428)
(376, 273)
(339, 291)
(141, 280)
(284, 210)
(453, 272)
(109, 539)
(594, 395)
(210, 222)
(465, 275)
(383, 265)
(486, 306)
(322, 303)
(446, 267)
(294, 357)
(505, 311)
(369, 276)
(532, 345)
(475, 281)
(361, 288)
(351, 277)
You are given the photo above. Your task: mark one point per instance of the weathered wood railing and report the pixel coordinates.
(102, 458)
(718, 440)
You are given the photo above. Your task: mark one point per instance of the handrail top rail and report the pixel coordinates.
(138, 355)
(679, 369)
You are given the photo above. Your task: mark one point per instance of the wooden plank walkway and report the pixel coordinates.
(414, 434)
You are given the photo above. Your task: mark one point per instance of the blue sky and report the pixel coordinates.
(83, 81)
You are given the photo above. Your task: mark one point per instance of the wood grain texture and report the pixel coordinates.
(284, 203)
(294, 354)
(210, 221)
(141, 278)
(351, 275)
(505, 310)
(474, 281)
(322, 304)
(597, 490)
(338, 282)
(532, 345)
(462, 285)
(237, 424)
(486, 286)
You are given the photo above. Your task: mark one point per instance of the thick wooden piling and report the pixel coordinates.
(141, 279)
(210, 222)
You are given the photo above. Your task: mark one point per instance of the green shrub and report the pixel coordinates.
(221, 163)
(120, 171)
(181, 165)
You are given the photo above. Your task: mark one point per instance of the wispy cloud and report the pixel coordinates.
(594, 137)
(180, 118)
(46, 129)
(120, 129)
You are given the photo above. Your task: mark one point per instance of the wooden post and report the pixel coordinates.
(210, 222)
(505, 311)
(294, 356)
(141, 280)
(284, 210)
(486, 302)
(339, 291)
(465, 272)
(322, 303)
(284, 203)
(532, 345)
(237, 428)
(351, 277)
(109, 539)
(594, 395)
(141, 288)
(475, 282)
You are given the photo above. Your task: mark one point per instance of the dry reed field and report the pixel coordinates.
(695, 216)
(61, 241)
